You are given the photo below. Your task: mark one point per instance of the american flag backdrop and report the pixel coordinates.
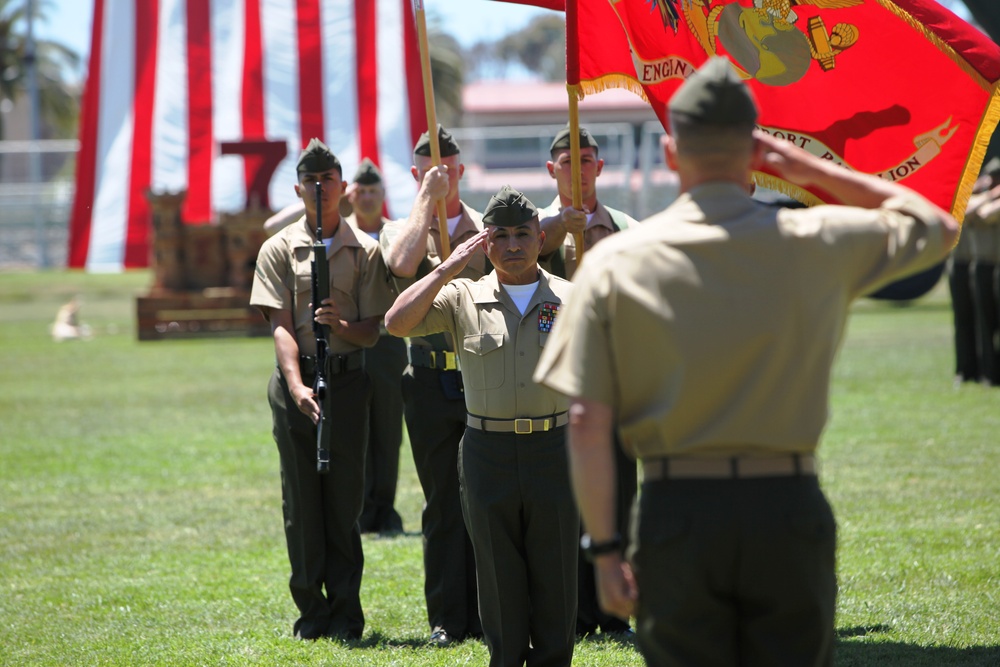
(213, 96)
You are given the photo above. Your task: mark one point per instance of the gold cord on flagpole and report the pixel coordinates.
(425, 68)
(574, 154)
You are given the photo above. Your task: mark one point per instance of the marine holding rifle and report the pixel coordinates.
(321, 510)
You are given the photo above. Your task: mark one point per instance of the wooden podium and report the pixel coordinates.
(202, 274)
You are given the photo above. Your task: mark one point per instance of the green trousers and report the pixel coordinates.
(735, 572)
(384, 364)
(525, 530)
(321, 511)
(435, 424)
(589, 615)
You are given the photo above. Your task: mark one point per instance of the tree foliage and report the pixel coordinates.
(58, 100)
(448, 72)
(987, 14)
(539, 48)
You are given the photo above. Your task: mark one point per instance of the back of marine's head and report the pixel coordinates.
(712, 109)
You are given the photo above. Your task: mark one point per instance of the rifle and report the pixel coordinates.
(321, 291)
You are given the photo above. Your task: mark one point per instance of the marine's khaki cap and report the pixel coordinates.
(446, 143)
(508, 208)
(367, 173)
(561, 142)
(715, 95)
(316, 158)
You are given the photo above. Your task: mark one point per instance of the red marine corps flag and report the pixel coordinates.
(899, 88)
(217, 97)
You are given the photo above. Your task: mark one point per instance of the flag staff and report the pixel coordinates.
(574, 156)
(573, 91)
(432, 132)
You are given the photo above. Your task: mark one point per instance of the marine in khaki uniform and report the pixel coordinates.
(733, 555)
(384, 364)
(981, 233)
(963, 309)
(512, 460)
(321, 511)
(434, 402)
(560, 221)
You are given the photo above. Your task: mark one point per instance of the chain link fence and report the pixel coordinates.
(36, 192)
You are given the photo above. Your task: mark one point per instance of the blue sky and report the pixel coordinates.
(469, 21)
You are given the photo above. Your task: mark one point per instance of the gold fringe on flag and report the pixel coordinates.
(609, 81)
(976, 156)
(942, 46)
(784, 187)
(989, 121)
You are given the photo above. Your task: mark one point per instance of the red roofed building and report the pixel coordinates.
(507, 127)
(496, 103)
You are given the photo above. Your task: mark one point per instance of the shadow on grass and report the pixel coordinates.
(851, 653)
(619, 638)
(393, 534)
(378, 640)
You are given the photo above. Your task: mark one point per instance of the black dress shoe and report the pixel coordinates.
(391, 524)
(441, 638)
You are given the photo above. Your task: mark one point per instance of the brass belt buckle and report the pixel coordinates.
(522, 426)
(449, 361)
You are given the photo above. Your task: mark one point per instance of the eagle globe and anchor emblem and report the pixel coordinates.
(763, 40)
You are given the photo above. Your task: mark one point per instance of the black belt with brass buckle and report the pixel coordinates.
(441, 360)
(335, 363)
(736, 467)
(519, 426)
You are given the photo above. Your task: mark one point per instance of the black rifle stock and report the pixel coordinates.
(321, 291)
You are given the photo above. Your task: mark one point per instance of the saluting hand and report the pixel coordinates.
(461, 255)
(412, 306)
(788, 161)
(616, 587)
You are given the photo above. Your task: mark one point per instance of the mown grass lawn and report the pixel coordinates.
(140, 518)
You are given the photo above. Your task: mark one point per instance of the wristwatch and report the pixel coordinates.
(592, 550)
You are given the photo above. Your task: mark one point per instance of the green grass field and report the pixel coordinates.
(140, 519)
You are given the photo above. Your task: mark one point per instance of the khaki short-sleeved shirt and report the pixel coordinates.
(470, 224)
(712, 327)
(498, 347)
(965, 249)
(352, 220)
(600, 226)
(980, 237)
(982, 240)
(359, 281)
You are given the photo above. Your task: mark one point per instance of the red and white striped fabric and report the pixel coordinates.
(170, 81)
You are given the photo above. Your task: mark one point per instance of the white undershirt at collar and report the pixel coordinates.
(521, 294)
